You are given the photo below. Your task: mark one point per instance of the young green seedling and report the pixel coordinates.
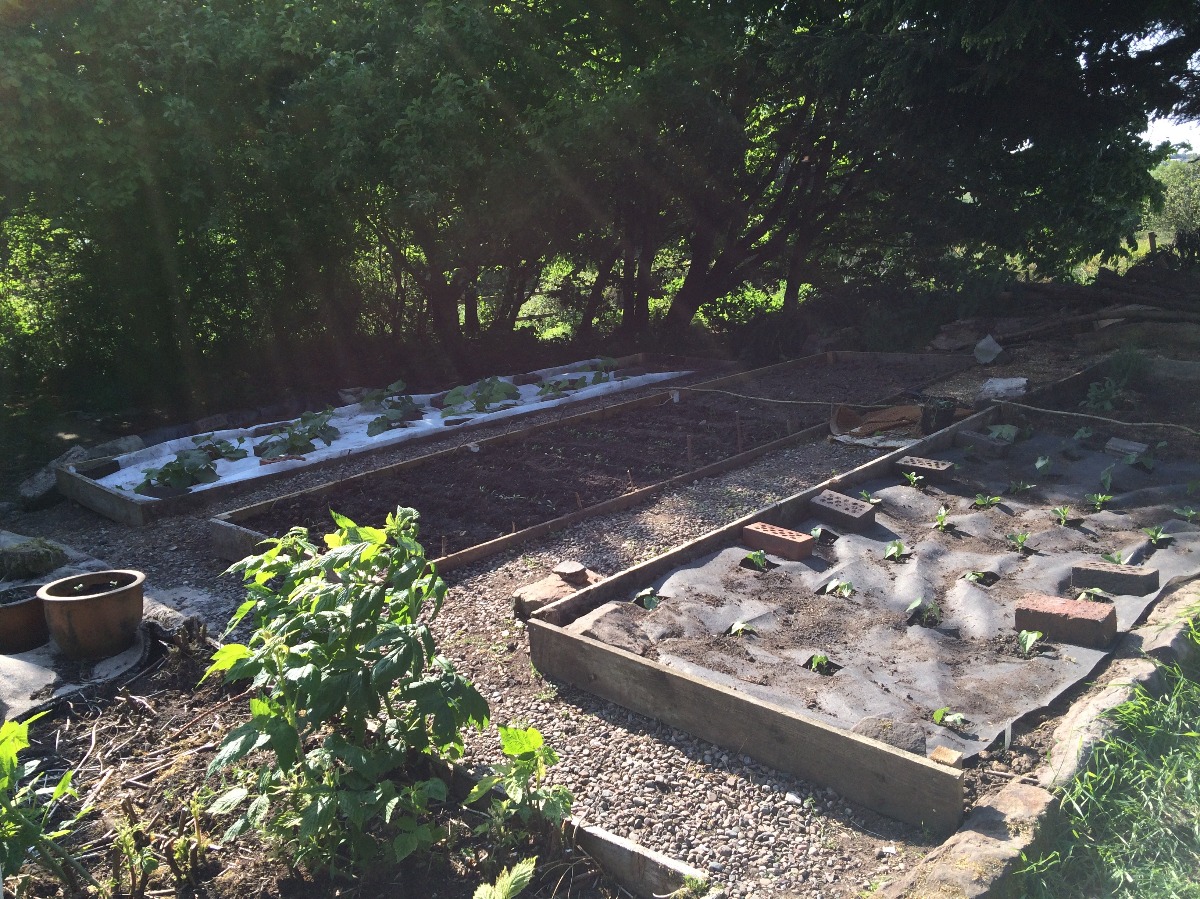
(1003, 432)
(1098, 500)
(1015, 487)
(1018, 541)
(1083, 433)
(974, 577)
(1156, 535)
(868, 497)
(894, 551)
(648, 599)
(1187, 513)
(1063, 514)
(913, 479)
(1092, 594)
(1106, 478)
(756, 559)
(983, 501)
(1115, 557)
(943, 717)
(818, 661)
(940, 521)
(742, 629)
(1043, 464)
(1027, 640)
(844, 589)
(924, 612)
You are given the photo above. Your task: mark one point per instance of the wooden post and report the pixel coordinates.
(443, 544)
(737, 421)
(579, 500)
(691, 453)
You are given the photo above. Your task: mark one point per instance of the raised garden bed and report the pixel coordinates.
(190, 472)
(477, 500)
(778, 665)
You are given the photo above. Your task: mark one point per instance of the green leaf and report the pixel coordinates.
(228, 801)
(516, 742)
(481, 789)
(240, 742)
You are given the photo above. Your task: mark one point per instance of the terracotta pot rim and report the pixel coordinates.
(139, 578)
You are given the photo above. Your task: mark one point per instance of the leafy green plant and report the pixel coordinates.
(220, 449)
(133, 855)
(1063, 514)
(1043, 464)
(868, 497)
(1147, 459)
(1007, 433)
(1103, 396)
(1019, 542)
(895, 551)
(560, 387)
(756, 559)
(941, 519)
(527, 801)
(844, 589)
(300, 436)
(1187, 513)
(1027, 640)
(818, 661)
(983, 501)
(1015, 487)
(913, 479)
(648, 599)
(1084, 433)
(27, 811)
(188, 468)
(974, 577)
(349, 688)
(1115, 557)
(741, 629)
(1157, 535)
(943, 717)
(1092, 594)
(488, 395)
(1098, 500)
(1106, 478)
(925, 612)
(396, 408)
(511, 882)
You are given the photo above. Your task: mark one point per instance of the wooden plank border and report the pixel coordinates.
(231, 541)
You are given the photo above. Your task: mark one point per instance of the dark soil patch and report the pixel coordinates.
(472, 497)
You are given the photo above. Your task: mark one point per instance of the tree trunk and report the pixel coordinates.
(596, 295)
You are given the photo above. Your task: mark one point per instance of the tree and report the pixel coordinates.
(1180, 210)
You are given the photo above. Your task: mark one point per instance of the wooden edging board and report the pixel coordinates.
(890, 781)
(78, 481)
(232, 541)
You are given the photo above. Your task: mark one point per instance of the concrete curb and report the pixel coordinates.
(978, 860)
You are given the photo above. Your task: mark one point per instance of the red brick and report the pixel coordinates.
(1076, 621)
(929, 468)
(845, 511)
(1124, 580)
(777, 541)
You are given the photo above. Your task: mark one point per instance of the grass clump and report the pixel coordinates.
(1129, 822)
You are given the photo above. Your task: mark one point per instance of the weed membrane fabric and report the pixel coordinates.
(894, 667)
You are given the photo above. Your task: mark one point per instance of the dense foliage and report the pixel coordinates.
(190, 189)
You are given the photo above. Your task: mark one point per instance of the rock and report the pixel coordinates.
(1002, 389)
(573, 573)
(901, 734)
(118, 447)
(41, 489)
(531, 597)
(30, 559)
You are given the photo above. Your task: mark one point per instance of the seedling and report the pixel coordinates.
(1063, 514)
(1145, 460)
(1003, 432)
(914, 480)
(868, 497)
(844, 589)
(300, 436)
(1106, 477)
(648, 599)
(1156, 535)
(943, 717)
(1102, 396)
(1187, 513)
(974, 577)
(220, 449)
(1092, 594)
(1015, 487)
(742, 629)
(1027, 640)
(489, 395)
(188, 468)
(756, 559)
(982, 578)
(824, 536)
(940, 521)
(895, 551)
(1043, 464)
(1018, 541)
(983, 501)
(926, 613)
(1098, 500)
(1115, 557)
(1084, 433)
(396, 407)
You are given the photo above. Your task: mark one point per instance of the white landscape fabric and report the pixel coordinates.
(352, 422)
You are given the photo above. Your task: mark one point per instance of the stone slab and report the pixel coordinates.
(1121, 448)
(844, 511)
(531, 597)
(1075, 621)
(782, 542)
(1121, 580)
(902, 734)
